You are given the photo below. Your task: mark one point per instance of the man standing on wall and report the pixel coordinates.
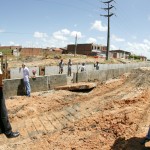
(69, 67)
(96, 65)
(61, 65)
(26, 79)
(5, 126)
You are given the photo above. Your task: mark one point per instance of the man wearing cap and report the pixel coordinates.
(5, 126)
(26, 79)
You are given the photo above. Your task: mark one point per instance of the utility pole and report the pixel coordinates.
(75, 50)
(109, 7)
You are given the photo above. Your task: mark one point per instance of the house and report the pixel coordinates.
(16, 52)
(119, 54)
(86, 49)
(31, 51)
(143, 58)
(9, 49)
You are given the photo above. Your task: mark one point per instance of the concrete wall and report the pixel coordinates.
(53, 70)
(14, 87)
(99, 75)
(42, 83)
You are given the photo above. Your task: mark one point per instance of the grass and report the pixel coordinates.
(6, 51)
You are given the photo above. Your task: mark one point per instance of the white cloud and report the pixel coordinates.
(97, 25)
(117, 39)
(140, 48)
(40, 35)
(91, 40)
(113, 47)
(59, 35)
(74, 33)
(65, 31)
(64, 34)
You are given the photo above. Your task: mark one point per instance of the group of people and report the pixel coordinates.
(61, 66)
(69, 64)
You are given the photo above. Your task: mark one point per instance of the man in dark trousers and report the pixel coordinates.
(5, 126)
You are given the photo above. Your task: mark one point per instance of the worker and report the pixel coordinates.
(83, 69)
(69, 67)
(26, 79)
(96, 65)
(147, 138)
(61, 65)
(5, 126)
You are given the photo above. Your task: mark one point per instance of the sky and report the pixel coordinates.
(55, 23)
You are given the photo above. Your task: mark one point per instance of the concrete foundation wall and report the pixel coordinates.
(56, 80)
(13, 87)
(100, 75)
(52, 70)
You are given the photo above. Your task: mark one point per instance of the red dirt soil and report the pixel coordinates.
(113, 116)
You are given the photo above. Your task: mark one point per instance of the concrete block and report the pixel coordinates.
(82, 77)
(56, 80)
(39, 84)
(13, 87)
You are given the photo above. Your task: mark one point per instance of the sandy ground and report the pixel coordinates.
(113, 116)
(50, 60)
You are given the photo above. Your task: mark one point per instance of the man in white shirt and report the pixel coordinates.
(26, 79)
(83, 69)
(5, 126)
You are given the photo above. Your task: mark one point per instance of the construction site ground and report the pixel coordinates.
(113, 116)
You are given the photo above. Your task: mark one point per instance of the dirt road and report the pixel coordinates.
(115, 115)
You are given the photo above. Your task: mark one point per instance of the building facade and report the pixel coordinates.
(119, 54)
(86, 49)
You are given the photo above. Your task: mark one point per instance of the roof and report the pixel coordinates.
(120, 51)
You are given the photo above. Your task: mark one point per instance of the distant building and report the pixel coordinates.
(119, 54)
(86, 49)
(16, 52)
(143, 58)
(31, 51)
(9, 47)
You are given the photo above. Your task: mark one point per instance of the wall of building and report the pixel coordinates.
(31, 51)
(83, 49)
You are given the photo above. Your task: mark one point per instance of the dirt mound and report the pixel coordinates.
(140, 77)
